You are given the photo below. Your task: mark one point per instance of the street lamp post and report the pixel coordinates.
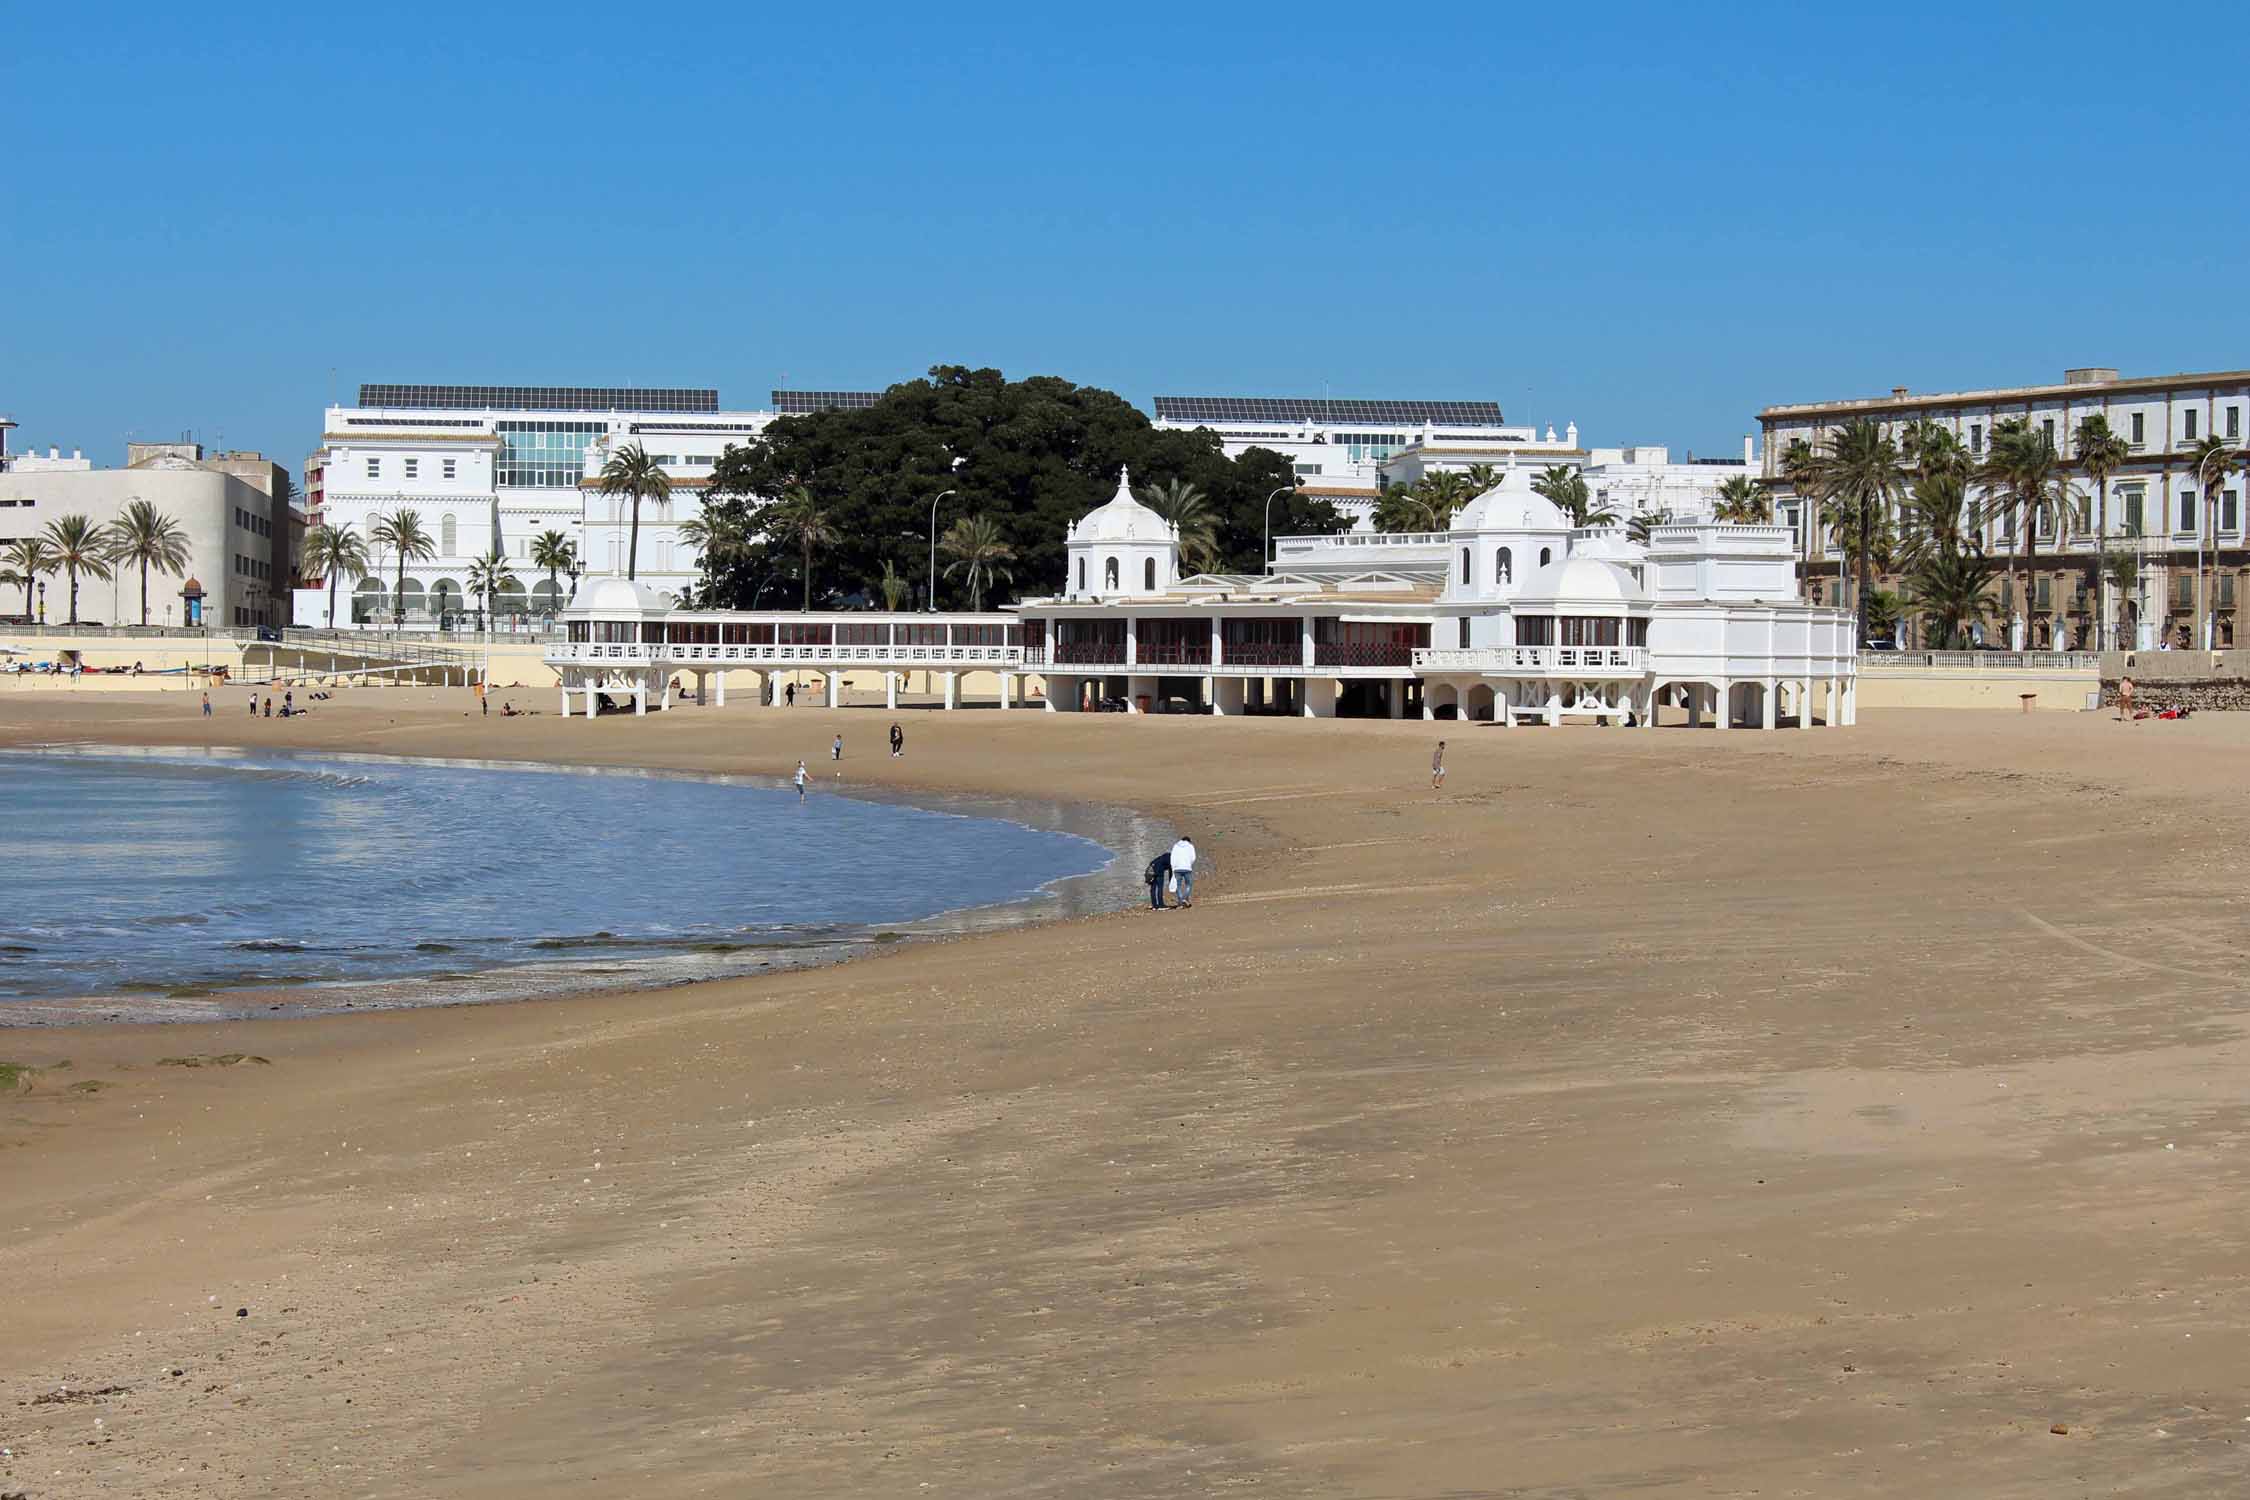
(1266, 560)
(929, 603)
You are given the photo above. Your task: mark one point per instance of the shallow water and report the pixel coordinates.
(179, 873)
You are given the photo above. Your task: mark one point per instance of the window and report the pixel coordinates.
(2140, 428)
(1082, 575)
(2187, 511)
(2135, 521)
(1545, 553)
(549, 455)
(1503, 566)
(1464, 565)
(374, 468)
(1148, 575)
(2187, 423)
(2043, 593)
(2226, 590)
(448, 540)
(1308, 471)
(2234, 421)
(413, 467)
(446, 467)
(1976, 437)
(2183, 591)
(1109, 576)
(2227, 515)
(2047, 428)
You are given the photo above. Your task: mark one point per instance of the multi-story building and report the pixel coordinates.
(237, 533)
(2151, 509)
(1348, 450)
(487, 467)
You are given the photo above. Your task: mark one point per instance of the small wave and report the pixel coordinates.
(16, 950)
(436, 948)
(593, 940)
(188, 919)
(271, 945)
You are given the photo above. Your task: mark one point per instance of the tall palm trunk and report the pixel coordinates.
(331, 598)
(72, 570)
(1866, 548)
(2101, 558)
(806, 607)
(633, 544)
(2030, 567)
(144, 593)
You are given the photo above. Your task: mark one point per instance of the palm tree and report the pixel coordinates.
(895, 589)
(2213, 461)
(2023, 483)
(145, 535)
(555, 553)
(2121, 576)
(1186, 507)
(1950, 588)
(1743, 502)
(332, 552)
(1865, 476)
(631, 472)
(28, 557)
(1566, 487)
(1484, 478)
(402, 532)
(2101, 450)
(717, 540)
(1638, 528)
(974, 544)
(797, 520)
(488, 575)
(1805, 470)
(79, 547)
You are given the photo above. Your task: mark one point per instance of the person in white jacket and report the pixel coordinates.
(1183, 870)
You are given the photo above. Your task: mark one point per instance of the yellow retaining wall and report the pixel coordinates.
(1972, 687)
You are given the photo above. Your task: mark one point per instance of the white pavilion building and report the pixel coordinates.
(1511, 615)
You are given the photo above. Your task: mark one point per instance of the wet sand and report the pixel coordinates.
(1830, 1113)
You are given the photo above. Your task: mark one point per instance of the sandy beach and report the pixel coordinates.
(1837, 1113)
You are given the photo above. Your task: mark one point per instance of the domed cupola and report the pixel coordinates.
(1122, 550)
(1501, 537)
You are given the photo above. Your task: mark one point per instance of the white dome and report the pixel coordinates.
(1579, 579)
(1123, 519)
(1511, 505)
(617, 596)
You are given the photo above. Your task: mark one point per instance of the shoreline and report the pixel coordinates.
(682, 962)
(1653, 1112)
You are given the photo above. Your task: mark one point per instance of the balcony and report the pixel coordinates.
(1536, 661)
(757, 654)
(1362, 654)
(1262, 654)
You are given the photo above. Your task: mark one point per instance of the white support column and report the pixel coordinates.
(566, 700)
(722, 688)
(1772, 693)
(1306, 646)
(835, 689)
(1396, 690)
(1725, 696)
(1132, 641)
(665, 700)
(1137, 688)
(1851, 700)
(1804, 703)
(890, 690)
(1554, 705)
(953, 690)
(1007, 690)
(1320, 696)
(640, 697)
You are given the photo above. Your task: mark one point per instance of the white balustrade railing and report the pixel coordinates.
(1532, 661)
(1986, 661)
(752, 654)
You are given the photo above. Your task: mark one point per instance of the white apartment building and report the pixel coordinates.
(2152, 507)
(495, 466)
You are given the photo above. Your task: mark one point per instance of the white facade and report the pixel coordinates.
(487, 467)
(1644, 481)
(1122, 549)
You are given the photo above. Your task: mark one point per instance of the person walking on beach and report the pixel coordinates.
(1437, 766)
(206, 705)
(1183, 869)
(269, 705)
(898, 742)
(800, 781)
(789, 695)
(2125, 699)
(288, 702)
(836, 751)
(253, 704)
(1158, 874)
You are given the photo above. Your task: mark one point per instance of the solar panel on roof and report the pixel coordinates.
(801, 403)
(1323, 411)
(541, 397)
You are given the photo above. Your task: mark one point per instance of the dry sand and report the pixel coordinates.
(1826, 1114)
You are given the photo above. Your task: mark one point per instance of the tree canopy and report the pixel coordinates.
(1031, 456)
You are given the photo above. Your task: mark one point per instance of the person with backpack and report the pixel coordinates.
(1158, 875)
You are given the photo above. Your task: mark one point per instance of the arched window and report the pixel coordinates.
(1082, 575)
(1546, 555)
(1464, 565)
(1148, 576)
(446, 538)
(1109, 576)
(1504, 566)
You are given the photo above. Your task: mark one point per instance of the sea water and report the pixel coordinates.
(183, 872)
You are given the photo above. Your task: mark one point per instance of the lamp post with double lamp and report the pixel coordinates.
(1266, 561)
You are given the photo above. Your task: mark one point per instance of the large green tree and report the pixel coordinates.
(2023, 485)
(1030, 455)
(1864, 476)
(80, 547)
(146, 538)
(330, 552)
(2102, 450)
(402, 534)
(28, 557)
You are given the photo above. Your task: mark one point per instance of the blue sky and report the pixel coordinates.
(1651, 220)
